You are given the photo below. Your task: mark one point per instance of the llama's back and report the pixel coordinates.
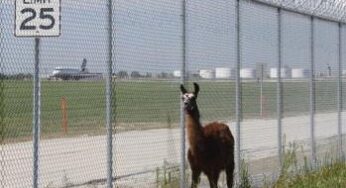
(219, 131)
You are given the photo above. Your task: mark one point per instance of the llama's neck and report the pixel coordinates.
(194, 129)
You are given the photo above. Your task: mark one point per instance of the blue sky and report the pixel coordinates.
(148, 37)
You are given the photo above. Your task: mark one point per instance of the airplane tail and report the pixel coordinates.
(83, 67)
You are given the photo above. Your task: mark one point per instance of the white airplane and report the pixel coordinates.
(73, 73)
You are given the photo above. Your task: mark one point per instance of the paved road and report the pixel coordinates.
(78, 160)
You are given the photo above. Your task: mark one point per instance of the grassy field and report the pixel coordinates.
(327, 176)
(145, 104)
(329, 171)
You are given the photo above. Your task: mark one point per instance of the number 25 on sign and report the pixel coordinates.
(37, 18)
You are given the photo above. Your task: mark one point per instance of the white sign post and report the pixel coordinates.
(37, 18)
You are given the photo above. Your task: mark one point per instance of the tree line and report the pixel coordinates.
(19, 76)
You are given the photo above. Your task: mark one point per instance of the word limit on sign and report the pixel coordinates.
(37, 18)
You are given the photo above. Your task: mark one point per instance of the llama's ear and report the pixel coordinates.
(182, 89)
(196, 88)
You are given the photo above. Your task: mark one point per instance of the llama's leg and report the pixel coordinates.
(195, 177)
(230, 174)
(196, 172)
(213, 178)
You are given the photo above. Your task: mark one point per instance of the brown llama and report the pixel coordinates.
(211, 148)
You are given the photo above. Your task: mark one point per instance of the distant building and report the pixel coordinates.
(285, 72)
(177, 73)
(248, 73)
(344, 72)
(206, 73)
(299, 73)
(223, 73)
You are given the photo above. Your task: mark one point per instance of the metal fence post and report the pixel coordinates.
(2, 99)
(36, 112)
(279, 89)
(182, 113)
(238, 90)
(340, 101)
(312, 92)
(261, 91)
(109, 99)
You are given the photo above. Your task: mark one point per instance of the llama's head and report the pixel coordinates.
(188, 98)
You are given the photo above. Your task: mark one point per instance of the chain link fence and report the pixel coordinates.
(108, 107)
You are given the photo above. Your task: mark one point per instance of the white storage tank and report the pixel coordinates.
(206, 73)
(285, 73)
(248, 73)
(223, 73)
(344, 72)
(177, 73)
(300, 73)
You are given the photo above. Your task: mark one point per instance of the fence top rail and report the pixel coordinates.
(312, 8)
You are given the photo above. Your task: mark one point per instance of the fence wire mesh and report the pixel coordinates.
(75, 108)
(16, 102)
(343, 87)
(291, 92)
(326, 57)
(210, 60)
(296, 54)
(259, 55)
(148, 46)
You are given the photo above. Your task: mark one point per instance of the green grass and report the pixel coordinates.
(328, 176)
(329, 172)
(145, 104)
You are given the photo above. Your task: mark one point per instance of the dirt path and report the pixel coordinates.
(82, 159)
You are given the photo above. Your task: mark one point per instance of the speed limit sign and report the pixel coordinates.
(37, 18)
